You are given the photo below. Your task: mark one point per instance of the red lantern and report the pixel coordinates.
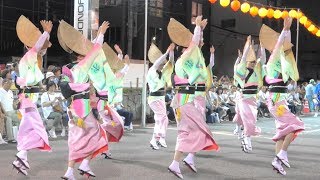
(254, 11)
(235, 5)
(270, 13)
(213, 1)
(285, 14)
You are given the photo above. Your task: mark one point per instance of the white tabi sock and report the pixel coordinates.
(175, 166)
(190, 158)
(84, 165)
(283, 154)
(69, 172)
(23, 154)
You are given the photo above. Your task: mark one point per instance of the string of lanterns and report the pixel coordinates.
(270, 12)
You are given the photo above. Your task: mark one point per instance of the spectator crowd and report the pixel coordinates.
(220, 105)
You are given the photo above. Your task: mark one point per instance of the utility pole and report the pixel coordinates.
(144, 90)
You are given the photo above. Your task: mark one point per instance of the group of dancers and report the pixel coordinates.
(96, 65)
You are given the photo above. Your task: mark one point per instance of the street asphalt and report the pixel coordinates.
(133, 159)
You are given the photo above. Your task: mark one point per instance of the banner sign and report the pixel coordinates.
(81, 16)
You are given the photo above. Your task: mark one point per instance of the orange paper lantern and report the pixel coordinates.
(307, 24)
(318, 33)
(212, 1)
(285, 14)
(224, 3)
(293, 13)
(254, 11)
(303, 20)
(263, 12)
(315, 31)
(277, 14)
(235, 5)
(245, 7)
(270, 13)
(299, 15)
(311, 28)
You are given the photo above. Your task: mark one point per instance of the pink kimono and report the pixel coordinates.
(86, 136)
(32, 133)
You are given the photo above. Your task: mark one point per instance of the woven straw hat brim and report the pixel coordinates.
(251, 55)
(114, 62)
(28, 33)
(73, 39)
(178, 33)
(268, 37)
(154, 53)
(62, 44)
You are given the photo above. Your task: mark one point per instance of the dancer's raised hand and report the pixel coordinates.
(46, 25)
(104, 26)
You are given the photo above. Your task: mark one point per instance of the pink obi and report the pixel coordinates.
(272, 81)
(179, 81)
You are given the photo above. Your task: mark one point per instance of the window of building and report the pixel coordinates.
(196, 11)
(113, 35)
(156, 8)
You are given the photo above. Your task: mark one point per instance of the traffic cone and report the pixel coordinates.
(306, 107)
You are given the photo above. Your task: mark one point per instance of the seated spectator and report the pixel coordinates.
(294, 102)
(11, 116)
(168, 100)
(221, 103)
(52, 108)
(211, 116)
(262, 102)
(126, 114)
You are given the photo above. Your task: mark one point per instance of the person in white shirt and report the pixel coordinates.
(7, 102)
(2, 129)
(262, 101)
(50, 103)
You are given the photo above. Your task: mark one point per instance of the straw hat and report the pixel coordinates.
(251, 55)
(178, 33)
(112, 58)
(154, 53)
(73, 39)
(268, 37)
(28, 33)
(61, 42)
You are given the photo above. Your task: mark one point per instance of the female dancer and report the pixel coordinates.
(156, 100)
(32, 134)
(193, 133)
(249, 78)
(280, 67)
(86, 137)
